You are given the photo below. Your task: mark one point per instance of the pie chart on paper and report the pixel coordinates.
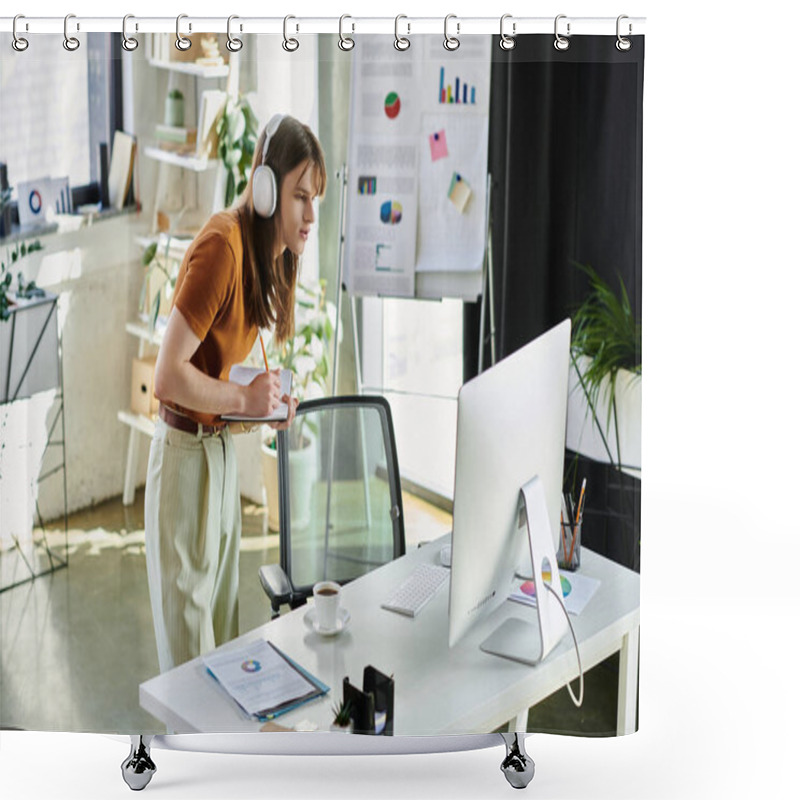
(391, 212)
(392, 105)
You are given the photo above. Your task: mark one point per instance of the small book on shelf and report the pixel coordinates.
(120, 173)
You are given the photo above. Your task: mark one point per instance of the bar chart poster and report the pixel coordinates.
(458, 91)
(417, 154)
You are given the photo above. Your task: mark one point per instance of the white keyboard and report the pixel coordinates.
(417, 590)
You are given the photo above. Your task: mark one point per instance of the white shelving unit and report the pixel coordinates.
(192, 163)
(138, 424)
(188, 68)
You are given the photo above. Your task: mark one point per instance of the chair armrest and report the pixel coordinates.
(276, 584)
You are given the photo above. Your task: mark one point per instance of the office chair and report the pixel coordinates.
(341, 507)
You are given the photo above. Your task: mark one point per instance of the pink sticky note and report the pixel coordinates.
(438, 142)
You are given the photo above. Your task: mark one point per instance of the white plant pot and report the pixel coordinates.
(302, 475)
(583, 435)
(269, 473)
(339, 729)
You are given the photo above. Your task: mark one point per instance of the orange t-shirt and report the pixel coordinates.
(210, 293)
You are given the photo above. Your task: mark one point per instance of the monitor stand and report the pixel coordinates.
(524, 641)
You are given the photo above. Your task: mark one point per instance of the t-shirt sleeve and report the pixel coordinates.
(206, 283)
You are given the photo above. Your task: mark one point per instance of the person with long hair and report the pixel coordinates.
(238, 276)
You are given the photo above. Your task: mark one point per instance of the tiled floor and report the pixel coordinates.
(75, 644)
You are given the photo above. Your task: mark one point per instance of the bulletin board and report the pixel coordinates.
(417, 168)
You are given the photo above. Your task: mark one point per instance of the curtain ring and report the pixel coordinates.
(70, 42)
(181, 42)
(18, 42)
(128, 42)
(289, 44)
(623, 44)
(346, 43)
(401, 42)
(234, 44)
(451, 42)
(507, 42)
(561, 43)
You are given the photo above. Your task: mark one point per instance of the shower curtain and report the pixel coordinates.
(525, 159)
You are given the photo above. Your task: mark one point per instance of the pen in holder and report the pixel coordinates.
(569, 545)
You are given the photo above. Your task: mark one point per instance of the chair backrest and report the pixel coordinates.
(341, 507)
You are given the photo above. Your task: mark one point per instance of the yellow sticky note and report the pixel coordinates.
(459, 192)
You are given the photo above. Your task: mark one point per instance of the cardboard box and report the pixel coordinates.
(143, 400)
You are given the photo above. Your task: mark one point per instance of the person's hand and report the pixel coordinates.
(292, 403)
(263, 395)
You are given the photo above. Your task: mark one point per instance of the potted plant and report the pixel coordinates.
(5, 211)
(237, 132)
(604, 412)
(307, 354)
(605, 382)
(173, 109)
(31, 332)
(342, 717)
(25, 290)
(158, 279)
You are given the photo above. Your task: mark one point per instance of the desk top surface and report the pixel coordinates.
(438, 690)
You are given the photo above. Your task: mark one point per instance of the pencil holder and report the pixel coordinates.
(569, 546)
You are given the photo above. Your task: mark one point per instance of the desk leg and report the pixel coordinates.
(520, 722)
(628, 675)
(131, 466)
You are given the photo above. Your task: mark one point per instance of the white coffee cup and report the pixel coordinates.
(327, 597)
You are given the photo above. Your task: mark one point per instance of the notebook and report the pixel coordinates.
(244, 376)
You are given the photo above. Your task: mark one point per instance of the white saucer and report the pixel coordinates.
(342, 621)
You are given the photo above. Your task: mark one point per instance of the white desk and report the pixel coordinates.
(437, 690)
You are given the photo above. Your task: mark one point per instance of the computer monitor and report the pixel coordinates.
(511, 429)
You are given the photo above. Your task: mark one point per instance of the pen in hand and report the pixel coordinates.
(263, 352)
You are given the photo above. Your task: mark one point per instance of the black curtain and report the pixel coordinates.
(565, 155)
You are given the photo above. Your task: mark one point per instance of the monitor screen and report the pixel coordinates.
(511, 428)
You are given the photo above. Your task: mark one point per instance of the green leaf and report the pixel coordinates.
(150, 253)
(154, 313)
(230, 185)
(237, 125)
(232, 157)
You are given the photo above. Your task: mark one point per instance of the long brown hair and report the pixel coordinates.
(269, 282)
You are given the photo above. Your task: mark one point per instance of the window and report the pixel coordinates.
(48, 128)
(418, 362)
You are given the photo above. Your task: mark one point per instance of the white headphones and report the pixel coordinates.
(265, 187)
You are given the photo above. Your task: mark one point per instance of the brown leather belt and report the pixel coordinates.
(185, 424)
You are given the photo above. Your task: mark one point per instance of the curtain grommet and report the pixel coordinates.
(507, 42)
(451, 43)
(346, 43)
(128, 42)
(181, 42)
(401, 43)
(623, 44)
(561, 43)
(289, 44)
(71, 43)
(19, 43)
(234, 43)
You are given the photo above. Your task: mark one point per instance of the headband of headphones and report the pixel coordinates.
(272, 127)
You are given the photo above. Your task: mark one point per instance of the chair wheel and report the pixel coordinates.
(138, 768)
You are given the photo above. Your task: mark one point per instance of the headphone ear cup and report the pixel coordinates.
(265, 191)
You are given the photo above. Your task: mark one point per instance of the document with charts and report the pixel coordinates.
(260, 678)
